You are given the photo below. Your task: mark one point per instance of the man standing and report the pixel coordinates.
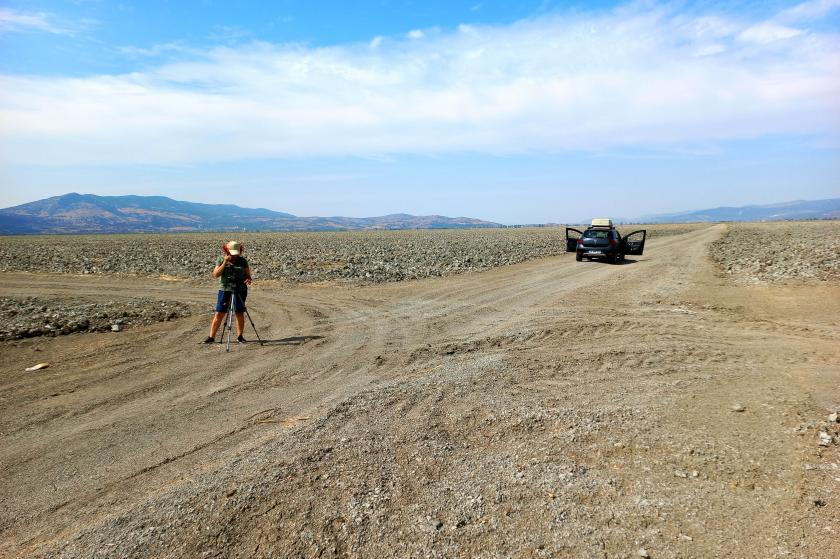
(234, 278)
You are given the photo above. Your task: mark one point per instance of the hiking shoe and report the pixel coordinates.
(209, 340)
(241, 340)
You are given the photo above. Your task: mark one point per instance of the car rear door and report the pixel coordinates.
(634, 243)
(572, 236)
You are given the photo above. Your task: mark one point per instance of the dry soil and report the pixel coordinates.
(545, 409)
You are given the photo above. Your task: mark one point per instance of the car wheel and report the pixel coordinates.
(614, 259)
(578, 257)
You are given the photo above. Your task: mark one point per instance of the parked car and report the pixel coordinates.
(602, 240)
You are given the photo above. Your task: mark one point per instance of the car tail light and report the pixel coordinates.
(580, 241)
(613, 243)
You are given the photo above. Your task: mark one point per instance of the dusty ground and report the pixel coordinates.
(357, 257)
(545, 409)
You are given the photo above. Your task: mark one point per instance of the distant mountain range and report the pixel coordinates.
(796, 210)
(88, 213)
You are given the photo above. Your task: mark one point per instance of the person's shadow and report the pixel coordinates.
(293, 340)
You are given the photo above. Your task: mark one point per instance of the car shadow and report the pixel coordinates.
(626, 261)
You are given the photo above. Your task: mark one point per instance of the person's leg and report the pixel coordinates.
(222, 305)
(217, 321)
(239, 310)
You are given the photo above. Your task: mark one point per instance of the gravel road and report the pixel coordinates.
(544, 409)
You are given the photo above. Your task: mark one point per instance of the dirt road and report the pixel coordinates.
(550, 408)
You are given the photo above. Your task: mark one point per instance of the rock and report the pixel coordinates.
(643, 553)
(738, 408)
(115, 328)
(825, 439)
(834, 418)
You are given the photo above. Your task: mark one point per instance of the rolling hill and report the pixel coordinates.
(796, 210)
(88, 213)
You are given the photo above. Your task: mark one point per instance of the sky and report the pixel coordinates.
(521, 111)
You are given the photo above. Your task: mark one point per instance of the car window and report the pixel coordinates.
(595, 234)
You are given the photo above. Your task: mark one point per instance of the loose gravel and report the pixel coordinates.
(762, 253)
(29, 317)
(351, 257)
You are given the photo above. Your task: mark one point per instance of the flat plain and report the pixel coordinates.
(430, 394)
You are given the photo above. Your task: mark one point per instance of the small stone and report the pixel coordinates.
(115, 328)
(643, 553)
(825, 439)
(834, 418)
(695, 473)
(739, 408)
(681, 474)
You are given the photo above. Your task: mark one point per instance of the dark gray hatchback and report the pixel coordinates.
(604, 243)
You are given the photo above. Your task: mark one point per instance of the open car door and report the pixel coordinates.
(634, 243)
(572, 235)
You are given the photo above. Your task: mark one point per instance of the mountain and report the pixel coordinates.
(88, 213)
(796, 210)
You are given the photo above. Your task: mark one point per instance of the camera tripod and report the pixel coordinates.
(228, 323)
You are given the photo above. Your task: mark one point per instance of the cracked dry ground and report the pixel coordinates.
(546, 409)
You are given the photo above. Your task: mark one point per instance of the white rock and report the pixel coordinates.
(643, 553)
(825, 439)
(834, 417)
(115, 328)
(738, 408)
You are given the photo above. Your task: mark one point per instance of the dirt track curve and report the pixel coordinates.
(551, 408)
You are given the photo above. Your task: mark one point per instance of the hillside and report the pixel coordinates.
(88, 213)
(795, 210)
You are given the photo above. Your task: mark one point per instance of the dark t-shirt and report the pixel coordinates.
(233, 275)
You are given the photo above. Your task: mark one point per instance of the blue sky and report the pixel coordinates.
(518, 112)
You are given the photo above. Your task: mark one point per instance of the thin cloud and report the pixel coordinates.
(15, 20)
(808, 11)
(639, 77)
(767, 32)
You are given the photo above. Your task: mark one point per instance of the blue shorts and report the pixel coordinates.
(223, 300)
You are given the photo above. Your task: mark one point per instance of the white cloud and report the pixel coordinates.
(808, 11)
(415, 34)
(767, 32)
(14, 20)
(636, 77)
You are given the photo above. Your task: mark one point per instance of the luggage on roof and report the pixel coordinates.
(602, 222)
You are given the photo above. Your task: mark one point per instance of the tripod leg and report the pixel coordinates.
(224, 329)
(229, 321)
(249, 318)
